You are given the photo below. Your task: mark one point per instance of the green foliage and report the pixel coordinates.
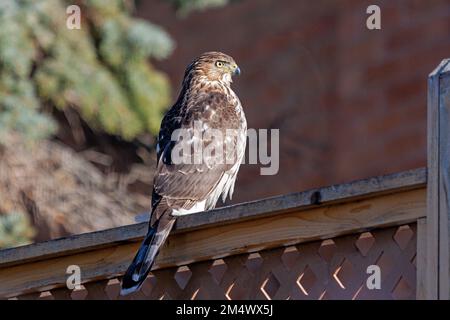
(101, 70)
(18, 101)
(15, 230)
(186, 6)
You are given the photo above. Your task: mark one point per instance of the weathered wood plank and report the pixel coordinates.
(437, 182)
(217, 241)
(267, 207)
(352, 191)
(444, 183)
(421, 260)
(431, 291)
(446, 69)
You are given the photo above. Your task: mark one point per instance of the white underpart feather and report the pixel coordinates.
(227, 78)
(198, 207)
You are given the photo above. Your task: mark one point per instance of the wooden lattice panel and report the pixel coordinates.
(330, 269)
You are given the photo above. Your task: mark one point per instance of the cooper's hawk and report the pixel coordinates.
(200, 148)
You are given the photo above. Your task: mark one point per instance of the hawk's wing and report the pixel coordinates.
(181, 185)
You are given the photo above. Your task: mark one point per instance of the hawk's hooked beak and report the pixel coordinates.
(236, 71)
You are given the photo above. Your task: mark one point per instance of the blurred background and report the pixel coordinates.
(80, 109)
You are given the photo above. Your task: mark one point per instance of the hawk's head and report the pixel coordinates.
(213, 66)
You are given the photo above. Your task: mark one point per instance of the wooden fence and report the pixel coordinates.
(317, 244)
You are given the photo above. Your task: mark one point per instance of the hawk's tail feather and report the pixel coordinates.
(142, 263)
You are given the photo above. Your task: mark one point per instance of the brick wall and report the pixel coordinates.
(349, 102)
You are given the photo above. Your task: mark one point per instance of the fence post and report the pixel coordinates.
(438, 185)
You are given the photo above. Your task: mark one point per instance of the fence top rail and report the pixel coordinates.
(406, 180)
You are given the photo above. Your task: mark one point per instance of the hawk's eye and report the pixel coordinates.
(219, 64)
